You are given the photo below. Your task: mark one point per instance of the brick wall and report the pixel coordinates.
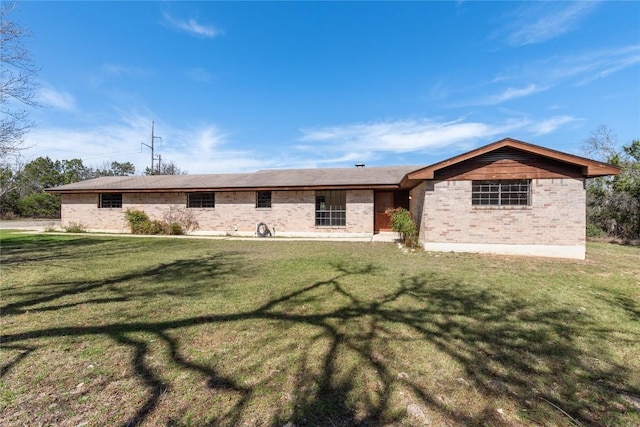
(556, 215)
(292, 212)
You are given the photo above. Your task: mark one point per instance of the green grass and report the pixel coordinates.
(191, 332)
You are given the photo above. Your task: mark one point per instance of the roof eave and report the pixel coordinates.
(227, 189)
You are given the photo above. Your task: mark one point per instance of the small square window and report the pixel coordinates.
(263, 199)
(110, 200)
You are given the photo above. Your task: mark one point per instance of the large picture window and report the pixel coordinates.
(110, 200)
(201, 200)
(506, 192)
(331, 208)
(263, 199)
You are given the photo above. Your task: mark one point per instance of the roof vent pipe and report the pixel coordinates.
(359, 165)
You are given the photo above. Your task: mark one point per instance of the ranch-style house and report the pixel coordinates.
(507, 197)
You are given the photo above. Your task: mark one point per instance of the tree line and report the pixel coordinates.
(613, 203)
(22, 186)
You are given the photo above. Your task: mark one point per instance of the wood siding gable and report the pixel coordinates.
(512, 159)
(507, 163)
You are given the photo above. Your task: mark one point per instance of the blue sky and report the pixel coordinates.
(242, 86)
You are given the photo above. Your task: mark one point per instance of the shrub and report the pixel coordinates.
(137, 220)
(593, 231)
(154, 227)
(75, 227)
(176, 221)
(175, 229)
(180, 218)
(403, 223)
(51, 227)
(39, 205)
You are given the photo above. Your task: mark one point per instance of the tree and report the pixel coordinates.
(18, 86)
(166, 169)
(9, 183)
(613, 203)
(23, 186)
(116, 169)
(73, 171)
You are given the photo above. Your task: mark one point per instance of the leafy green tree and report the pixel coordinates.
(116, 169)
(39, 174)
(73, 171)
(22, 186)
(613, 203)
(39, 205)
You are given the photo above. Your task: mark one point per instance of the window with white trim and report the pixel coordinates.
(201, 200)
(505, 192)
(110, 200)
(331, 208)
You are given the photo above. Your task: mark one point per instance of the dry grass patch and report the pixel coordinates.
(179, 332)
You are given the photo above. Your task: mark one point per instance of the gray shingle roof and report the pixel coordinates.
(264, 179)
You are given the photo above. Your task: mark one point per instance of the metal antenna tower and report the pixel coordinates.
(152, 146)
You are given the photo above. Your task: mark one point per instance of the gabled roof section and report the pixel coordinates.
(590, 168)
(285, 179)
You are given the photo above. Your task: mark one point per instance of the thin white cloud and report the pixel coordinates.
(61, 100)
(111, 71)
(509, 94)
(196, 149)
(124, 70)
(206, 148)
(590, 65)
(551, 124)
(542, 21)
(192, 26)
(199, 74)
(407, 136)
(576, 69)
(611, 67)
(404, 136)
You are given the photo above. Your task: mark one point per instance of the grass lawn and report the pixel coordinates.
(190, 332)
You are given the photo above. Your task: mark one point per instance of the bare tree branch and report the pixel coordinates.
(18, 86)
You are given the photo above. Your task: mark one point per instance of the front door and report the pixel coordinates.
(383, 201)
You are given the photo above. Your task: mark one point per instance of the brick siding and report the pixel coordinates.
(291, 212)
(556, 215)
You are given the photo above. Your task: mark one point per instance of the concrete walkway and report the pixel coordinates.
(41, 225)
(30, 224)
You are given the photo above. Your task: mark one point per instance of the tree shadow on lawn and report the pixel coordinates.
(137, 285)
(345, 374)
(33, 248)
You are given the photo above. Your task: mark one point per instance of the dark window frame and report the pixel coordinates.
(331, 208)
(110, 201)
(263, 199)
(201, 200)
(500, 193)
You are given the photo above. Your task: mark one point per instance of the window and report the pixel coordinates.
(512, 192)
(201, 200)
(110, 200)
(331, 208)
(263, 199)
